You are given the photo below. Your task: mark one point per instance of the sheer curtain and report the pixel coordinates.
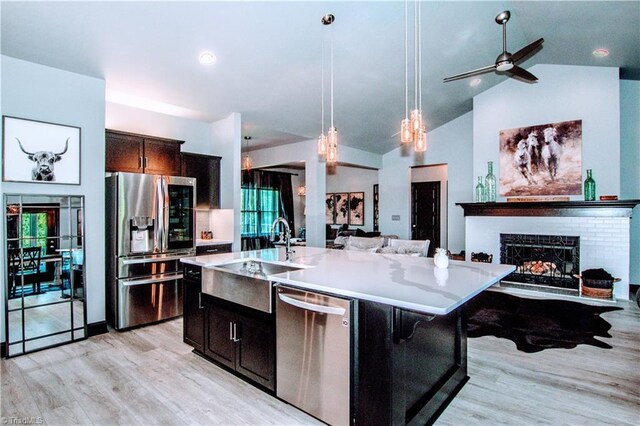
(265, 196)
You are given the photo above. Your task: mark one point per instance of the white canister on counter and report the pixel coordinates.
(441, 259)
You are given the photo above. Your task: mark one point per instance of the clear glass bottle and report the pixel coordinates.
(589, 187)
(480, 191)
(490, 184)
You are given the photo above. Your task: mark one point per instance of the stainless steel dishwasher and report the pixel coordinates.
(313, 344)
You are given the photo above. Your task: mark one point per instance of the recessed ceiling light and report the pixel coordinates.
(600, 53)
(207, 58)
(475, 82)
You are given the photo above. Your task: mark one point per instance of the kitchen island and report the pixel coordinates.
(407, 351)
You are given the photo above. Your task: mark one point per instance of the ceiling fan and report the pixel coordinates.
(506, 62)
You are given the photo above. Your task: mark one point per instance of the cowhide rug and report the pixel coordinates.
(535, 325)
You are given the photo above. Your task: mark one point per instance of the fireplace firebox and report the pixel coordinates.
(543, 262)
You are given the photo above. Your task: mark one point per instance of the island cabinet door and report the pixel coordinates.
(219, 342)
(256, 350)
(193, 311)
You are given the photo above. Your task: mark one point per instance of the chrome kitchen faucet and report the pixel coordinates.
(287, 235)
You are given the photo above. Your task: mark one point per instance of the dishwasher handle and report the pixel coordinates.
(331, 310)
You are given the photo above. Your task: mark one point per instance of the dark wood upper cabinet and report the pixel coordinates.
(162, 157)
(128, 152)
(124, 153)
(206, 170)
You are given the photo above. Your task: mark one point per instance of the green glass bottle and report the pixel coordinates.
(480, 191)
(589, 187)
(490, 185)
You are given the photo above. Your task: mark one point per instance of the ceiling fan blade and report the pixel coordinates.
(527, 50)
(522, 74)
(471, 73)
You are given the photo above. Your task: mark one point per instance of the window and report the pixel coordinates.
(35, 230)
(38, 227)
(260, 207)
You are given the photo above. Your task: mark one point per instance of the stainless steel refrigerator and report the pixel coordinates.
(150, 225)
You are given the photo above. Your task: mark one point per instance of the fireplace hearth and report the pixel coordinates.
(543, 262)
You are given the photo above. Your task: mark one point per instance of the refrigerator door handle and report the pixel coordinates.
(159, 216)
(165, 214)
(153, 259)
(157, 279)
(331, 310)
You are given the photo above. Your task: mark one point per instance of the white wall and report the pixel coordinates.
(563, 93)
(226, 136)
(2, 222)
(354, 179)
(315, 177)
(196, 134)
(42, 93)
(610, 112)
(449, 144)
(630, 163)
(297, 179)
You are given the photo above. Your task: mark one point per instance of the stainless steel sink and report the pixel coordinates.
(244, 282)
(256, 268)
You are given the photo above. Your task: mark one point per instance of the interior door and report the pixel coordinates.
(425, 213)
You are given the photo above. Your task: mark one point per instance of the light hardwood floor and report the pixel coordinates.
(148, 376)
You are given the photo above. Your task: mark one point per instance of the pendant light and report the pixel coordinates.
(332, 134)
(412, 127)
(246, 162)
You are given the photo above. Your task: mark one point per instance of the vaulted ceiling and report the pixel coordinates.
(269, 55)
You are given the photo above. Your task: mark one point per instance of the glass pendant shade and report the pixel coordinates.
(416, 120)
(420, 144)
(246, 163)
(333, 137)
(332, 155)
(406, 136)
(322, 144)
(332, 145)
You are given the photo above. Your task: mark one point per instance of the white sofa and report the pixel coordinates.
(385, 245)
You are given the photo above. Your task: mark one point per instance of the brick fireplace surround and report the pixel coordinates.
(603, 228)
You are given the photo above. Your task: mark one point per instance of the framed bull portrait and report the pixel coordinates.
(40, 152)
(541, 160)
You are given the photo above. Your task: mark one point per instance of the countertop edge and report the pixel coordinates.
(384, 300)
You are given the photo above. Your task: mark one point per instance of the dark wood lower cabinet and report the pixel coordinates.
(408, 365)
(241, 339)
(213, 249)
(219, 335)
(255, 357)
(193, 310)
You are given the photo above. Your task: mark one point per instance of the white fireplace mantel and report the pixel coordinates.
(603, 228)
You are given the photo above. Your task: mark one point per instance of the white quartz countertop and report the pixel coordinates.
(397, 280)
